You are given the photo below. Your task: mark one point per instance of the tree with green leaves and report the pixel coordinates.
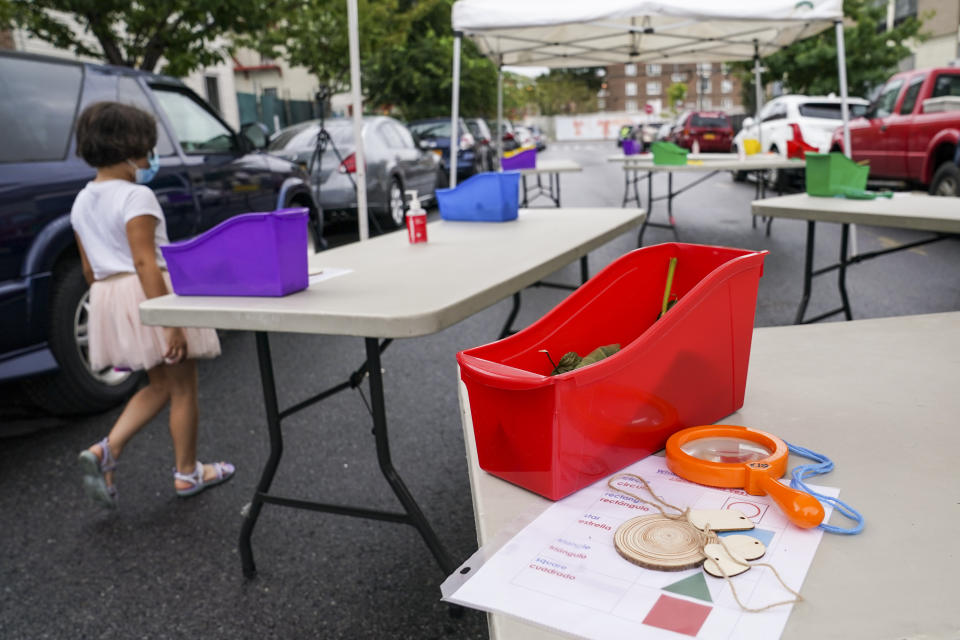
(565, 91)
(415, 77)
(186, 34)
(676, 94)
(809, 66)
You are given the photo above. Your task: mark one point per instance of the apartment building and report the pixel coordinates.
(642, 88)
(942, 45)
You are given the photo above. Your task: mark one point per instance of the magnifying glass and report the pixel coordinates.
(738, 457)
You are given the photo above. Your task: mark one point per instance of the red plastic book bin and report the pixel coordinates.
(556, 434)
(254, 254)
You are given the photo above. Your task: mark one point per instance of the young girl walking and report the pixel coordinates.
(119, 226)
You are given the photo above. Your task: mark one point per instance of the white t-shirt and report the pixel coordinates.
(99, 217)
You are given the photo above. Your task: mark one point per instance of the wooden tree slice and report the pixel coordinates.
(661, 543)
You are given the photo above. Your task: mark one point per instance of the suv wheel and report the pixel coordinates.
(946, 180)
(75, 388)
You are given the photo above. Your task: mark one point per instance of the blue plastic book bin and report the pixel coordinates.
(483, 197)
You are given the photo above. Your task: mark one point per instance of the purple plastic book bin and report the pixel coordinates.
(520, 159)
(630, 147)
(255, 254)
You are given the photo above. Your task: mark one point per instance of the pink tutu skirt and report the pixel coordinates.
(117, 337)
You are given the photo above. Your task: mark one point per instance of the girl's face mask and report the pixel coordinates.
(143, 176)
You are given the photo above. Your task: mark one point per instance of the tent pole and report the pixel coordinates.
(499, 132)
(356, 97)
(844, 110)
(455, 110)
(758, 91)
(842, 71)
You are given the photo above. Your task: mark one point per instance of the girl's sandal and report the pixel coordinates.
(94, 470)
(224, 471)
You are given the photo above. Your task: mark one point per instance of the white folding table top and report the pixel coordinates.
(904, 210)
(879, 398)
(691, 156)
(398, 290)
(561, 165)
(750, 163)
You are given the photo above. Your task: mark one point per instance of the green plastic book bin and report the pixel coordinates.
(834, 174)
(668, 153)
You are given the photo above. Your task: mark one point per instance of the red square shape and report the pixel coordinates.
(677, 615)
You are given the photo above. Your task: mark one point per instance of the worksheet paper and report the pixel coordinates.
(562, 570)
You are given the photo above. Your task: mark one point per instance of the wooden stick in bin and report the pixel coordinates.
(666, 290)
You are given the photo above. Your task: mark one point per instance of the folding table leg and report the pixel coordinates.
(842, 277)
(508, 326)
(807, 272)
(417, 519)
(523, 179)
(252, 512)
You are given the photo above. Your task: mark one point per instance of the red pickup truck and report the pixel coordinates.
(911, 131)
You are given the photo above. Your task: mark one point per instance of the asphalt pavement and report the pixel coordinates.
(161, 567)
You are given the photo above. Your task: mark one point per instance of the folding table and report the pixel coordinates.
(704, 163)
(920, 212)
(552, 170)
(887, 418)
(394, 290)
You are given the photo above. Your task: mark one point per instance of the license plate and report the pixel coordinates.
(709, 136)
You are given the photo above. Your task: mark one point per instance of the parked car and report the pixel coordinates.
(710, 130)
(434, 134)
(509, 135)
(911, 131)
(524, 135)
(486, 146)
(208, 173)
(663, 132)
(394, 161)
(539, 137)
(817, 117)
(648, 132)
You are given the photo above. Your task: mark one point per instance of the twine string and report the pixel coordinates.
(705, 536)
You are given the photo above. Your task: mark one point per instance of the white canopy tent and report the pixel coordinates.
(575, 33)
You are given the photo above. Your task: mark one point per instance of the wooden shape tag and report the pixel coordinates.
(718, 558)
(746, 547)
(719, 519)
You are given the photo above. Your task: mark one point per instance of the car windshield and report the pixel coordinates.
(829, 110)
(705, 120)
(440, 129)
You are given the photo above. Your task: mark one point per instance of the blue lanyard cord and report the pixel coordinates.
(823, 465)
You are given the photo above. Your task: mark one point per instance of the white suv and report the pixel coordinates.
(817, 117)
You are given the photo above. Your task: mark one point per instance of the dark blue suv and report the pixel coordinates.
(208, 173)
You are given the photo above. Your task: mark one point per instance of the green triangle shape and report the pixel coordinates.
(694, 586)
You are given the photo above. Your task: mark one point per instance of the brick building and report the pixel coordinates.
(631, 87)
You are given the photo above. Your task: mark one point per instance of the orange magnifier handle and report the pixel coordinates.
(801, 508)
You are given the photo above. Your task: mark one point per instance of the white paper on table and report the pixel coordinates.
(325, 273)
(563, 572)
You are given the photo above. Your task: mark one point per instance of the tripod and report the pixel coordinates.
(325, 141)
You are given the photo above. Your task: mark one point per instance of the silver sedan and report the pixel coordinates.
(395, 163)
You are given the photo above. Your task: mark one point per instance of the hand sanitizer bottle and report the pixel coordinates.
(416, 220)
